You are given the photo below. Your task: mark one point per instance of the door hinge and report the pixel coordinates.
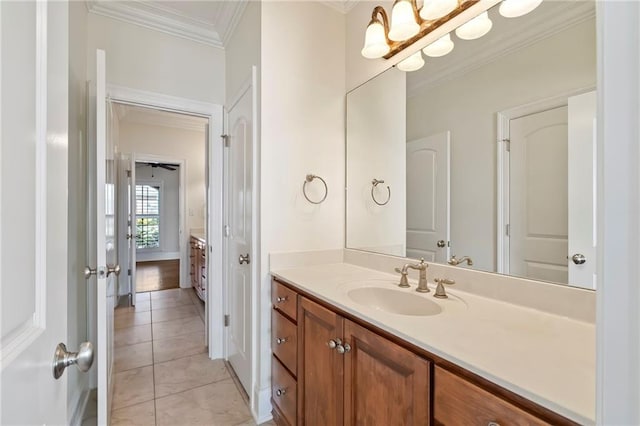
(225, 139)
(226, 320)
(226, 231)
(507, 230)
(129, 272)
(128, 173)
(507, 144)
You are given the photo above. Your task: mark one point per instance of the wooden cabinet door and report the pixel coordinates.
(384, 384)
(320, 368)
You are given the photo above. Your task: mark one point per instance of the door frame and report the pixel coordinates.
(503, 164)
(214, 306)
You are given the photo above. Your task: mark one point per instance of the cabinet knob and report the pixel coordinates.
(493, 424)
(281, 392)
(343, 349)
(281, 299)
(281, 340)
(333, 344)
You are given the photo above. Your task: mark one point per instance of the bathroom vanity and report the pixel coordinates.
(198, 265)
(350, 347)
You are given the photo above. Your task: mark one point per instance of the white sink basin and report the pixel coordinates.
(394, 301)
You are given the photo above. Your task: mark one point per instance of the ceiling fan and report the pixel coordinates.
(166, 166)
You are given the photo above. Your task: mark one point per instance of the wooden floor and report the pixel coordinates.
(157, 275)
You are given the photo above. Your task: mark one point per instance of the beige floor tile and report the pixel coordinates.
(169, 294)
(132, 335)
(141, 306)
(187, 373)
(168, 329)
(178, 347)
(252, 422)
(143, 297)
(170, 302)
(131, 319)
(199, 304)
(133, 356)
(215, 404)
(132, 387)
(137, 415)
(174, 313)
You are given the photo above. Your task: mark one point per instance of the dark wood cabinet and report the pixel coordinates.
(320, 368)
(198, 266)
(347, 372)
(384, 383)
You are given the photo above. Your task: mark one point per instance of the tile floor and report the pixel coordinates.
(162, 374)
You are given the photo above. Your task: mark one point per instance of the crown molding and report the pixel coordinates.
(545, 25)
(159, 18)
(229, 17)
(342, 6)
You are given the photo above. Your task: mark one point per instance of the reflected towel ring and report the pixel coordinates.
(310, 178)
(375, 183)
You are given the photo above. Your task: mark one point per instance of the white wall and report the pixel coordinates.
(242, 51)
(467, 106)
(77, 382)
(376, 134)
(153, 61)
(169, 181)
(176, 144)
(302, 131)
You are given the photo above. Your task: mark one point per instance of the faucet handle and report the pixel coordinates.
(440, 292)
(404, 283)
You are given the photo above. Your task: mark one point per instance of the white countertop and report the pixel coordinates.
(199, 235)
(546, 358)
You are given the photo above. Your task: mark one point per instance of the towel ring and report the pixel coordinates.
(375, 183)
(310, 178)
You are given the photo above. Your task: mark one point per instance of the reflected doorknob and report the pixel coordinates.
(113, 270)
(578, 259)
(62, 358)
(244, 259)
(441, 243)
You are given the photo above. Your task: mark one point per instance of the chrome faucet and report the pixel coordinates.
(453, 261)
(422, 281)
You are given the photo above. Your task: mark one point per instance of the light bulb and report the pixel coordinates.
(475, 28)
(440, 47)
(434, 9)
(375, 43)
(403, 21)
(412, 63)
(515, 8)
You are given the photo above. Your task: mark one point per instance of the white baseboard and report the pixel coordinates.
(261, 408)
(79, 407)
(158, 255)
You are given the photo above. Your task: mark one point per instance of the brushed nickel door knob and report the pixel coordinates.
(62, 358)
(244, 259)
(579, 259)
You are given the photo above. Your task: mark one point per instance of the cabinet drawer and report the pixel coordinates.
(284, 340)
(458, 402)
(283, 391)
(284, 299)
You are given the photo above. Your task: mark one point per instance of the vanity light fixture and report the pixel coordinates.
(412, 63)
(516, 8)
(475, 28)
(376, 43)
(404, 24)
(436, 9)
(440, 47)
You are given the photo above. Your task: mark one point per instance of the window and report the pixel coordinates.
(147, 216)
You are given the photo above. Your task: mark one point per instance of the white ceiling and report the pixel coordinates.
(206, 21)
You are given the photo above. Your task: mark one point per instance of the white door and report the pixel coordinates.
(428, 161)
(102, 235)
(133, 229)
(538, 196)
(33, 220)
(582, 190)
(240, 253)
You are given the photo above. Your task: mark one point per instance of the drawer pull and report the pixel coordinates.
(493, 424)
(343, 349)
(281, 340)
(281, 392)
(281, 299)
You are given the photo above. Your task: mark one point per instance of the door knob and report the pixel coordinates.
(62, 358)
(113, 270)
(244, 259)
(578, 259)
(441, 243)
(89, 271)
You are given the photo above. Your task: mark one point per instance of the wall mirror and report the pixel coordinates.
(485, 157)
